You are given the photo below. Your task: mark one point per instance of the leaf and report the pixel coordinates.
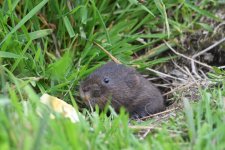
(60, 107)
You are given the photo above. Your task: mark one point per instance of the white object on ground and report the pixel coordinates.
(60, 106)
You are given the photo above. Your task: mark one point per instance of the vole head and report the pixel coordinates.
(111, 82)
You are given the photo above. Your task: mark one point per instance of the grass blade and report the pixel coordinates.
(23, 52)
(35, 35)
(201, 11)
(69, 27)
(9, 55)
(25, 19)
(102, 22)
(161, 7)
(190, 118)
(146, 9)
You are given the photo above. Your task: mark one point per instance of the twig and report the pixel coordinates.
(145, 134)
(177, 53)
(194, 69)
(181, 69)
(202, 52)
(147, 129)
(217, 27)
(141, 127)
(221, 67)
(179, 88)
(153, 78)
(160, 113)
(56, 45)
(110, 55)
(192, 76)
(208, 48)
(202, 72)
(164, 75)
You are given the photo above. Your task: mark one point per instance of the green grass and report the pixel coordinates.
(47, 47)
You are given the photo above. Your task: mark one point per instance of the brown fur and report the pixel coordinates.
(125, 87)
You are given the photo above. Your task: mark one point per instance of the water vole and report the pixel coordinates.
(121, 86)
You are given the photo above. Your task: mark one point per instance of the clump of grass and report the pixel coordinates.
(47, 46)
(199, 126)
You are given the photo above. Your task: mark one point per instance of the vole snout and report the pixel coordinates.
(89, 92)
(84, 94)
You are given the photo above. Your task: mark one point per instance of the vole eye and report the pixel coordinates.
(106, 80)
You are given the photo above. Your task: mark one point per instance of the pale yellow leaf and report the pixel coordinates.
(60, 107)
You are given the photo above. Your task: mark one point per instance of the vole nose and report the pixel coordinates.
(84, 93)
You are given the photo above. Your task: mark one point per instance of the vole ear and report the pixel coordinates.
(132, 80)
